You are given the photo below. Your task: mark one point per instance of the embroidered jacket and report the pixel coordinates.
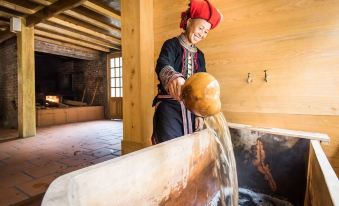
(177, 59)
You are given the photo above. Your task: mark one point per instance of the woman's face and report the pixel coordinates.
(197, 30)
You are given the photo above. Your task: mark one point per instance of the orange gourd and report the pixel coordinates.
(201, 94)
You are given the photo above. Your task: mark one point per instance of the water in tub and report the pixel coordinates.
(229, 194)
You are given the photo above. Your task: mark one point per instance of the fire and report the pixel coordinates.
(53, 99)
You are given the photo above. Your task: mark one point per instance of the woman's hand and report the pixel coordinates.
(199, 123)
(174, 87)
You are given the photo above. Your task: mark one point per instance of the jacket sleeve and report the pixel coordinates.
(165, 64)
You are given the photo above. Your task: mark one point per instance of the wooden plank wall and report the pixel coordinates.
(296, 41)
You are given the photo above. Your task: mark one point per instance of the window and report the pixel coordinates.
(116, 77)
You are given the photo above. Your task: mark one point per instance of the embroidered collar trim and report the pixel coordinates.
(190, 48)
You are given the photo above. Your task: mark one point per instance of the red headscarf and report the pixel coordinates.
(201, 9)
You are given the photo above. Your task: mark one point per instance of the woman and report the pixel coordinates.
(178, 60)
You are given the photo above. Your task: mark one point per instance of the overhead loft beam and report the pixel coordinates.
(99, 17)
(3, 18)
(72, 34)
(4, 25)
(4, 35)
(24, 4)
(7, 12)
(90, 5)
(79, 14)
(102, 10)
(85, 30)
(88, 26)
(84, 27)
(70, 40)
(81, 26)
(92, 21)
(4, 21)
(17, 7)
(43, 2)
(52, 10)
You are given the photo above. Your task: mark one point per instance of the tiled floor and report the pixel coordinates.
(28, 166)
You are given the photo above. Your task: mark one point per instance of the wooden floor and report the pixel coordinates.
(29, 165)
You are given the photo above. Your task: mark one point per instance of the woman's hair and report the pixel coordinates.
(184, 18)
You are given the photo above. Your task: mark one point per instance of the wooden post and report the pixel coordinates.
(26, 81)
(138, 73)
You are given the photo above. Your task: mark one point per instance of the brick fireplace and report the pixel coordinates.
(66, 84)
(57, 78)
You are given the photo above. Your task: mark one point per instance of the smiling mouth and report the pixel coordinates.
(196, 37)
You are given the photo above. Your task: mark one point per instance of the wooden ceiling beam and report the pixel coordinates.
(5, 12)
(92, 5)
(91, 21)
(43, 2)
(85, 30)
(4, 35)
(78, 14)
(64, 17)
(4, 21)
(72, 34)
(4, 26)
(101, 32)
(27, 4)
(69, 40)
(106, 11)
(52, 10)
(16, 7)
(99, 17)
(2, 18)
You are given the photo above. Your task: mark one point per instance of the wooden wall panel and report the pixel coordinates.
(295, 40)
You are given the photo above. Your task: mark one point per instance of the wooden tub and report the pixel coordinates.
(287, 164)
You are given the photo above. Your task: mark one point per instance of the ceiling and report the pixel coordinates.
(93, 24)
